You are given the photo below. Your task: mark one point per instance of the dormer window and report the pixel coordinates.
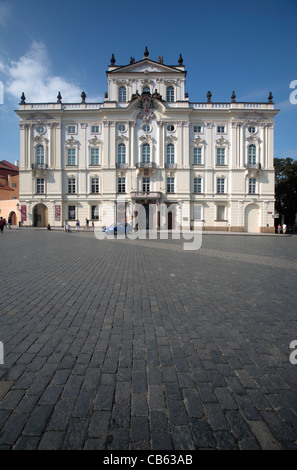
(170, 93)
(122, 94)
(146, 89)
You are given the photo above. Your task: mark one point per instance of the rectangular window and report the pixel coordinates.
(95, 129)
(95, 185)
(197, 185)
(94, 156)
(221, 213)
(95, 212)
(170, 185)
(197, 212)
(146, 182)
(220, 156)
(121, 184)
(71, 129)
(40, 186)
(197, 128)
(71, 186)
(71, 212)
(252, 186)
(71, 157)
(220, 185)
(220, 129)
(197, 156)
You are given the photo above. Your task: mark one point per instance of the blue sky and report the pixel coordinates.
(246, 46)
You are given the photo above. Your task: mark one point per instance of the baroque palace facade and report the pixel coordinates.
(188, 164)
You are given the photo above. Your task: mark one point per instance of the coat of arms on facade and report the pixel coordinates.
(146, 103)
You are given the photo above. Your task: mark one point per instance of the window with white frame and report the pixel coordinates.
(121, 184)
(146, 153)
(40, 186)
(197, 128)
(71, 156)
(122, 94)
(146, 183)
(170, 93)
(71, 129)
(221, 129)
(197, 156)
(252, 154)
(170, 153)
(221, 212)
(197, 212)
(95, 185)
(221, 153)
(94, 153)
(197, 187)
(121, 153)
(95, 129)
(252, 185)
(71, 185)
(39, 154)
(170, 184)
(220, 185)
(146, 89)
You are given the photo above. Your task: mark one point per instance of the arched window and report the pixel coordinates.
(170, 153)
(252, 154)
(121, 153)
(146, 89)
(146, 153)
(122, 94)
(170, 93)
(40, 154)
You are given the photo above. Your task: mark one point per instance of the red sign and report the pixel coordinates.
(57, 213)
(23, 213)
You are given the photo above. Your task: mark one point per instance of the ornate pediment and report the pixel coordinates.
(146, 66)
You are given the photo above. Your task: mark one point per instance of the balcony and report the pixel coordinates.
(146, 165)
(171, 166)
(39, 166)
(122, 166)
(140, 195)
(253, 166)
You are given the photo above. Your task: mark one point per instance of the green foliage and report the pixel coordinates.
(286, 188)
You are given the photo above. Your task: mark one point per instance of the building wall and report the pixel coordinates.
(235, 118)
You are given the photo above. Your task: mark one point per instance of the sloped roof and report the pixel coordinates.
(144, 66)
(5, 165)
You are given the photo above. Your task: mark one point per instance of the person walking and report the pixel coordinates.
(77, 225)
(2, 224)
(284, 228)
(279, 228)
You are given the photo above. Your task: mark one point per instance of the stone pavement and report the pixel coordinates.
(129, 345)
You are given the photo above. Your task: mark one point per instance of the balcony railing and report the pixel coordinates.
(253, 166)
(146, 195)
(171, 166)
(39, 166)
(146, 165)
(122, 166)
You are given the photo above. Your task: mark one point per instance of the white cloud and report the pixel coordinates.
(31, 74)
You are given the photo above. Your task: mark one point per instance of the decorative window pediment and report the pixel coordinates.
(221, 142)
(95, 142)
(198, 141)
(71, 142)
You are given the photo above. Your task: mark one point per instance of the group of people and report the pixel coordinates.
(67, 227)
(283, 228)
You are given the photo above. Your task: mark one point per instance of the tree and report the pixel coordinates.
(286, 188)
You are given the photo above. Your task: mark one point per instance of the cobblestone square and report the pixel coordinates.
(127, 344)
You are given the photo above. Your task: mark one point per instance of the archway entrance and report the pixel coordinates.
(252, 216)
(40, 215)
(12, 220)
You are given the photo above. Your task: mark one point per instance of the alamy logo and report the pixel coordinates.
(293, 95)
(293, 355)
(1, 353)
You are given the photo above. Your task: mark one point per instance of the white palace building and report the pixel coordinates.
(188, 164)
